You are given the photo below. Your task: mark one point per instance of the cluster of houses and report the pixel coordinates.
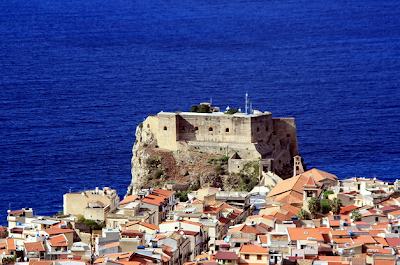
(215, 226)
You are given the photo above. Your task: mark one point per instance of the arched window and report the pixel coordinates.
(210, 129)
(227, 130)
(165, 128)
(196, 128)
(148, 125)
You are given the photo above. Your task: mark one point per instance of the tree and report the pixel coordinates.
(302, 214)
(325, 206)
(326, 193)
(314, 205)
(336, 205)
(355, 215)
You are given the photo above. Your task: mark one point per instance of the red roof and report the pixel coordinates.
(226, 255)
(34, 246)
(310, 182)
(393, 242)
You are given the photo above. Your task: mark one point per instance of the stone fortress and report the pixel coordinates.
(242, 137)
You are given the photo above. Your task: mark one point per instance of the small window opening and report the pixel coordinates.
(210, 129)
(183, 128)
(165, 128)
(258, 129)
(148, 125)
(196, 128)
(287, 135)
(227, 130)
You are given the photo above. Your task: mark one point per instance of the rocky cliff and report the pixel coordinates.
(156, 167)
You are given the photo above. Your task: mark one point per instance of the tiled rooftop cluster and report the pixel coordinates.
(216, 227)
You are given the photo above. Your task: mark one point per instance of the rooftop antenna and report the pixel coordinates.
(246, 101)
(251, 107)
(210, 102)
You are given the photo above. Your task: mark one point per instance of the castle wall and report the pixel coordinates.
(150, 126)
(261, 128)
(285, 128)
(213, 127)
(167, 131)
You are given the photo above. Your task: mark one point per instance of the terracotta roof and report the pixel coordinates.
(244, 229)
(253, 249)
(58, 241)
(226, 255)
(384, 262)
(34, 246)
(381, 241)
(223, 221)
(56, 231)
(340, 233)
(151, 226)
(11, 244)
(291, 208)
(397, 212)
(304, 233)
(211, 210)
(310, 183)
(342, 240)
(347, 209)
(380, 226)
(203, 256)
(191, 223)
(128, 199)
(393, 242)
(375, 232)
(319, 175)
(364, 240)
(161, 192)
(197, 201)
(111, 245)
(154, 199)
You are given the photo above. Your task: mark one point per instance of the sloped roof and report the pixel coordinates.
(161, 192)
(253, 249)
(34, 246)
(244, 229)
(304, 233)
(226, 255)
(128, 199)
(310, 183)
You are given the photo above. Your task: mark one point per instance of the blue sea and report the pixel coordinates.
(77, 77)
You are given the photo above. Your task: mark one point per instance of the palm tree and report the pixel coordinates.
(336, 204)
(314, 205)
(355, 215)
(302, 214)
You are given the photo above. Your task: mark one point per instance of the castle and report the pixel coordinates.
(240, 136)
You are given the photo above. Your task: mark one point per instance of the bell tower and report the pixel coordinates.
(297, 166)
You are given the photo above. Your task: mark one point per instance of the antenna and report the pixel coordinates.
(251, 107)
(210, 102)
(246, 101)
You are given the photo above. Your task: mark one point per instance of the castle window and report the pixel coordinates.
(258, 129)
(227, 130)
(196, 128)
(165, 128)
(266, 128)
(287, 135)
(183, 128)
(210, 129)
(148, 125)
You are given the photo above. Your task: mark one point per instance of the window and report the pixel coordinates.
(246, 256)
(165, 128)
(266, 128)
(148, 125)
(196, 128)
(258, 257)
(227, 130)
(287, 135)
(210, 129)
(183, 128)
(376, 219)
(258, 129)
(336, 217)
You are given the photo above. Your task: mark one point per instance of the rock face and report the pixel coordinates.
(156, 167)
(217, 149)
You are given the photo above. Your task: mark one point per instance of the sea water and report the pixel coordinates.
(77, 77)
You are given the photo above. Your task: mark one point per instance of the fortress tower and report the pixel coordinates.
(243, 137)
